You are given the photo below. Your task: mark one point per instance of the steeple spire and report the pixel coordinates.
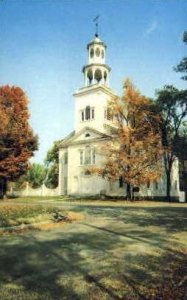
(96, 21)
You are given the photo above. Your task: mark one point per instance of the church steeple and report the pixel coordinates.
(96, 71)
(91, 101)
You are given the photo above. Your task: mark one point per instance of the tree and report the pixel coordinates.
(52, 164)
(17, 140)
(134, 151)
(36, 175)
(182, 66)
(172, 107)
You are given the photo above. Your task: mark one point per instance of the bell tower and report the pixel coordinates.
(91, 100)
(96, 71)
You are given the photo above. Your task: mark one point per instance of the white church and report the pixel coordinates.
(78, 150)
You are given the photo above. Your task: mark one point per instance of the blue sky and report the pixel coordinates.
(43, 48)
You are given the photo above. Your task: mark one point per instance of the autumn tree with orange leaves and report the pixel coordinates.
(134, 152)
(17, 140)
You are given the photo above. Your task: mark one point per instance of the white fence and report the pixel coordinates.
(182, 197)
(41, 191)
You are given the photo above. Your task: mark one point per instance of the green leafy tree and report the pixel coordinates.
(52, 164)
(182, 66)
(36, 175)
(172, 106)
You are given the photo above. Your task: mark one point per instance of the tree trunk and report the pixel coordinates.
(128, 191)
(168, 161)
(3, 187)
(168, 185)
(185, 186)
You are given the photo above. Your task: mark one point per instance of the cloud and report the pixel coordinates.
(152, 27)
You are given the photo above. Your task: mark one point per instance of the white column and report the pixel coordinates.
(86, 78)
(102, 80)
(107, 79)
(93, 75)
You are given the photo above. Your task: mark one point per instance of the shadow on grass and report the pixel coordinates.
(171, 218)
(147, 237)
(104, 261)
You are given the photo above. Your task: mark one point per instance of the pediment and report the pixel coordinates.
(86, 134)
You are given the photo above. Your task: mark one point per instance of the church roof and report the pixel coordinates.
(97, 41)
(67, 138)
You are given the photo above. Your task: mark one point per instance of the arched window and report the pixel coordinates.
(105, 76)
(97, 52)
(91, 52)
(103, 54)
(87, 113)
(90, 76)
(98, 75)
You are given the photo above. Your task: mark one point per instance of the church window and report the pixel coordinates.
(87, 114)
(87, 160)
(92, 53)
(82, 115)
(87, 156)
(103, 55)
(87, 111)
(108, 114)
(81, 157)
(97, 52)
(93, 113)
(87, 135)
(93, 156)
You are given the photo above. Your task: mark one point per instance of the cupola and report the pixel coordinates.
(96, 71)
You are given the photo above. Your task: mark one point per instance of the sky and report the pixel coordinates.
(43, 49)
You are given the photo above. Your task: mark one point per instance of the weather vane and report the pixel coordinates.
(96, 24)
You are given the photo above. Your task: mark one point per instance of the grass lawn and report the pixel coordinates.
(118, 251)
